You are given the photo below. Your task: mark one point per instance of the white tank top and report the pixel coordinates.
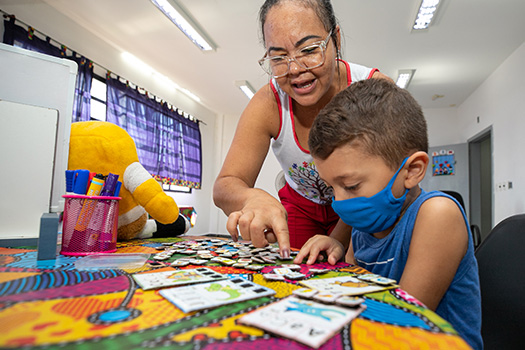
(296, 162)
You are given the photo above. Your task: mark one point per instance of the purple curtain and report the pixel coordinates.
(168, 145)
(26, 38)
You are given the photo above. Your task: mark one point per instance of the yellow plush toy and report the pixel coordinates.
(104, 148)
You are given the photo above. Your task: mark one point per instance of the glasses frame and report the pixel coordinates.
(322, 44)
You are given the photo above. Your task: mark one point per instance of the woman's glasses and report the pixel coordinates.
(308, 57)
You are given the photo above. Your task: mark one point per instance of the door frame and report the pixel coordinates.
(475, 185)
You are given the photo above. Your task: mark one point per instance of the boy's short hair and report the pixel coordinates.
(376, 114)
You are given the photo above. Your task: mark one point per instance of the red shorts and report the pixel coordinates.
(306, 218)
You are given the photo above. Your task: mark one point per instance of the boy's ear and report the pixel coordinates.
(417, 168)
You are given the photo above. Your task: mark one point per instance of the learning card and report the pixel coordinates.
(174, 278)
(344, 285)
(304, 321)
(213, 294)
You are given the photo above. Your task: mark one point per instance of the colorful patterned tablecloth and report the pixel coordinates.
(50, 304)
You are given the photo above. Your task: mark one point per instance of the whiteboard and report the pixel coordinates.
(36, 79)
(27, 138)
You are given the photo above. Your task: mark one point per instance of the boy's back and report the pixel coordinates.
(461, 303)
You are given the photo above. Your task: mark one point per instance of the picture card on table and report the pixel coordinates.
(344, 285)
(163, 279)
(305, 321)
(213, 294)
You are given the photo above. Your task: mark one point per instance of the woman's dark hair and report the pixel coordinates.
(323, 9)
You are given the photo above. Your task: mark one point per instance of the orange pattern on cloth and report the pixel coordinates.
(65, 320)
(372, 335)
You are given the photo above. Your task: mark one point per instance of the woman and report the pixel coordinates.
(303, 42)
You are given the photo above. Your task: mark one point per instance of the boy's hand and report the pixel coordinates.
(317, 244)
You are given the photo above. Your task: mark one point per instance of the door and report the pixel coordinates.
(480, 181)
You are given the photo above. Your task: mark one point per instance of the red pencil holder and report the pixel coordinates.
(90, 225)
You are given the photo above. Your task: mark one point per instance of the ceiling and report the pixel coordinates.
(467, 41)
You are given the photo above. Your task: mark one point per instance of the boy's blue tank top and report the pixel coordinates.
(461, 304)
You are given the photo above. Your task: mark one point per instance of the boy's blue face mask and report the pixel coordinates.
(372, 214)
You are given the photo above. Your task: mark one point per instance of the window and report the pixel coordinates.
(99, 112)
(176, 188)
(98, 99)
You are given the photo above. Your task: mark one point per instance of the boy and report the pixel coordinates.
(370, 145)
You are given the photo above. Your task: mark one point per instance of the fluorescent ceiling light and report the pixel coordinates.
(190, 94)
(403, 77)
(246, 88)
(144, 67)
(185, 23)
(426, 12)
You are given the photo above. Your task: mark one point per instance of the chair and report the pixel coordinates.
(476, 232)
(501, 261)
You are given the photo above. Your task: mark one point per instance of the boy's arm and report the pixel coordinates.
(334, 245)
(439, 242)
(349, 258)
(343, 233)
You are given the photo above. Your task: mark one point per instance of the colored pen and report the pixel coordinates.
(117, 189)
(70, 181)
(81, 179)
(109, 185)
(96, 185)
(91, 176)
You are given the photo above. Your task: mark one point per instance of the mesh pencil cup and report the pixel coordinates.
(90, 225)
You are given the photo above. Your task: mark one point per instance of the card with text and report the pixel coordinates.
(162, 279)
(344, 285)
(213, 294)
(305, 321)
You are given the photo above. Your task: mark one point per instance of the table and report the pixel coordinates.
(50, 304)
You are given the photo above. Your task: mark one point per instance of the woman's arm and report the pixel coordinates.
(255, 213)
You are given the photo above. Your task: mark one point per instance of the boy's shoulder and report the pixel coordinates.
(438, 204)
(440, 217)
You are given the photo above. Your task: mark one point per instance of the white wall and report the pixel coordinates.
(439, 122)
(498, 102)
(269, 171)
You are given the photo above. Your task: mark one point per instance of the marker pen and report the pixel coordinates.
(117, 189)
(96, 185)
(81, 179)
(70, 181)
(91, 176)
(109, 185)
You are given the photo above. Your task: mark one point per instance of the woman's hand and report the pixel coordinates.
(262, 220)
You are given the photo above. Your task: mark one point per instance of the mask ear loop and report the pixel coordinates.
(393, 179)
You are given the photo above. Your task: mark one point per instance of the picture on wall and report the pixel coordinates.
(443, 163)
